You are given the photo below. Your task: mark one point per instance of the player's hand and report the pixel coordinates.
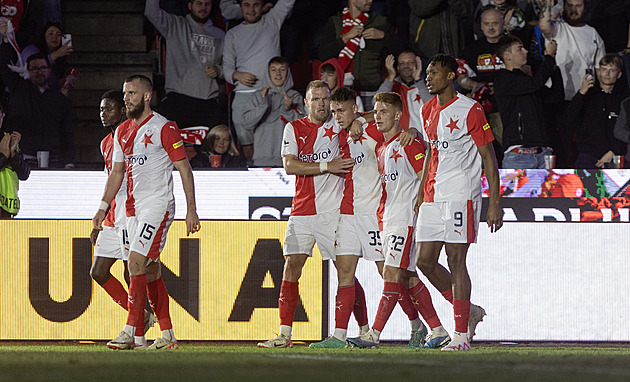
(212, 71)
(406, 137)
(245, 78)
(373, 34)
(587, 82)
(97, 220)
(340, 165)
(356, 31)
(389, 65)
(494, 217)
(356, 130)
(192, 222)
(94, 236)
(267, 7)
(288, 101)
(265, 91)
(5, 145)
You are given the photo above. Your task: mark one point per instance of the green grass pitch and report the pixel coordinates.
(238, 362)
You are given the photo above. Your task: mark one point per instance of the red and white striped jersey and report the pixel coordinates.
(148, 150)
(453, 132)
(311, 142)
(362, 189)
(398, 167)
(411, 105)
(116, 215)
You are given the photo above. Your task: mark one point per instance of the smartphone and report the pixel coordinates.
(65, 38)
(589, 71)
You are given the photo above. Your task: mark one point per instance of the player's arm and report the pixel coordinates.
(422, 175)
(495, 215)
(192, 220)
(356, 129)
(294, 166)
(114, 180)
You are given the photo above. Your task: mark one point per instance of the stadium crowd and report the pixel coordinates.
(564, 104)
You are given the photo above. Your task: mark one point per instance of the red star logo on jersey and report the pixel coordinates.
(329, 133)
(417, 99)
(453, 125)
(395, 156)
(146, 140)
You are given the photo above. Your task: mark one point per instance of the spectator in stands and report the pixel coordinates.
(611, 19)
(359, 39)
(37, 14)
(219, 141)
(193, 64)
(51, 45)
(481, 57)
(436, 26)
(579, 45)
(231, 10)
(13, 168)
(622, 128)
(515, 21)
(37, 110)
(408, 85)
(331, 72)
(593, 112)
(270, 109)
(248, 48)
(525, 132)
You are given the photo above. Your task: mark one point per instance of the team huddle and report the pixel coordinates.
(365, 188)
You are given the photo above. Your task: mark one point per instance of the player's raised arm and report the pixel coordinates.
(192, 220)
(495, 214)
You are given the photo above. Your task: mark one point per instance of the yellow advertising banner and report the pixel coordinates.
(224, 283)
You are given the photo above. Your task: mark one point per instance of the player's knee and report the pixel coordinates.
(100, 275)
(293, 267)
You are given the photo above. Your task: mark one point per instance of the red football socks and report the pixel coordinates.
(287, 302)
(116, 291)
(448, 295)
(461, 308)
(406, 304)
(422, 300)
(137, 300)
(360, 306)
(389, 299)
(159, 300)
(343, 306)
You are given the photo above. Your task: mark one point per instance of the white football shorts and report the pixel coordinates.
(359, 235)
(449, 222)
(304, 231)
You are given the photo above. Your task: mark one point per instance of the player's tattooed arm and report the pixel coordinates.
(294, 166)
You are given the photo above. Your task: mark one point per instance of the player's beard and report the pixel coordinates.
(136, 111)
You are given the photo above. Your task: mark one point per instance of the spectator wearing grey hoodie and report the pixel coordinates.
(269, 110)
(194, 48)
(248, 48)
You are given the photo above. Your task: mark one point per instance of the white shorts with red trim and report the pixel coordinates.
(399, 247)
(111, 243)
(359, 235)
(449, 222)
(147, 232)
(304, 231)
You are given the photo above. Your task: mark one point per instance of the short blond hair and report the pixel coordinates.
(390, 98)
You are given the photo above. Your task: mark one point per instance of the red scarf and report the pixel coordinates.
(347, 53)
